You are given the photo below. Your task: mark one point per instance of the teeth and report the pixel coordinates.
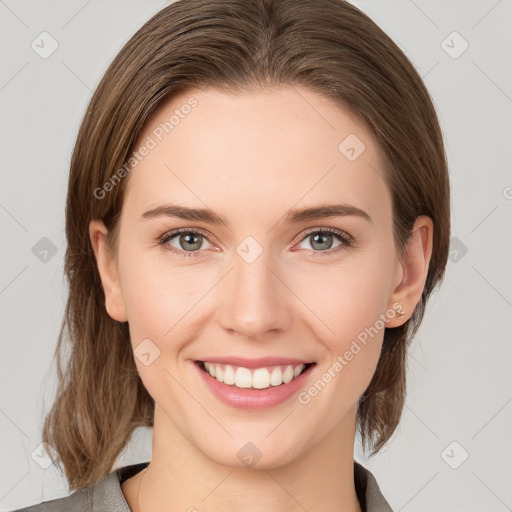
(288, 374)
(260, 378)
(276, 377)
(243, 378)
(229, 375)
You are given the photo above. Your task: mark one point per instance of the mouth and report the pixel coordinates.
(260, 378)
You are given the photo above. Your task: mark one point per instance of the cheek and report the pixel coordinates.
(344, 299)
(154, 299)
(165, 303)
(157, 309)
(352, 349)
(156, 296)
(349, 309)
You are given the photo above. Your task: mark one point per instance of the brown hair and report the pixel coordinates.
(328, 46)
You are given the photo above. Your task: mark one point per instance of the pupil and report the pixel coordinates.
(187, 239)
(320, 236)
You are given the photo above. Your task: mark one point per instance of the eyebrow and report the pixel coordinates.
(291, 217)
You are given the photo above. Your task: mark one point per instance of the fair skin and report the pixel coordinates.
(251, 158)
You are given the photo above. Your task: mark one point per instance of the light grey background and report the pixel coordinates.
(459, 386)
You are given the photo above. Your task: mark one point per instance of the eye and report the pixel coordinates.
(321, 240)
(188, 242)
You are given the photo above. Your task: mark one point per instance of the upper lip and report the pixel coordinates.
(255, 363)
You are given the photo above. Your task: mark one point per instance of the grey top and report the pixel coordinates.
(106, 495)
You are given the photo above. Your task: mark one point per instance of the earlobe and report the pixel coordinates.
(114, 301)
(415, 264)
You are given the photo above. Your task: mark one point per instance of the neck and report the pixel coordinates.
(180, 477)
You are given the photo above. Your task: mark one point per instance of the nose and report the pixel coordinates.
(254, 301)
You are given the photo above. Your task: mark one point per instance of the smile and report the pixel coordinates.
(254, 378)
(254, 384)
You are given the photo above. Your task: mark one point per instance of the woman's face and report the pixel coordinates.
(268, 281)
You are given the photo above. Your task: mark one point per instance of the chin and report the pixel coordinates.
(251, 453)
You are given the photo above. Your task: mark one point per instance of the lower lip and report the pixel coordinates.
(253, 399)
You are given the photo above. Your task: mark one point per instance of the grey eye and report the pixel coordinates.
(322, 240)
(189, 241)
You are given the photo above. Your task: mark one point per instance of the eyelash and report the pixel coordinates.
(166, 237)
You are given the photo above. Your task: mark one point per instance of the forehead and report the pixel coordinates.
(247, 151)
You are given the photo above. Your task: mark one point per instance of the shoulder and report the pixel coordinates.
(106, 494)
(78, 501)
(368, 491)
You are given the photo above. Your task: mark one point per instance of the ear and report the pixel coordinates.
(114, 301)
(414, 270)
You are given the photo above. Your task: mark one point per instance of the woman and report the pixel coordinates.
(257, 214)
